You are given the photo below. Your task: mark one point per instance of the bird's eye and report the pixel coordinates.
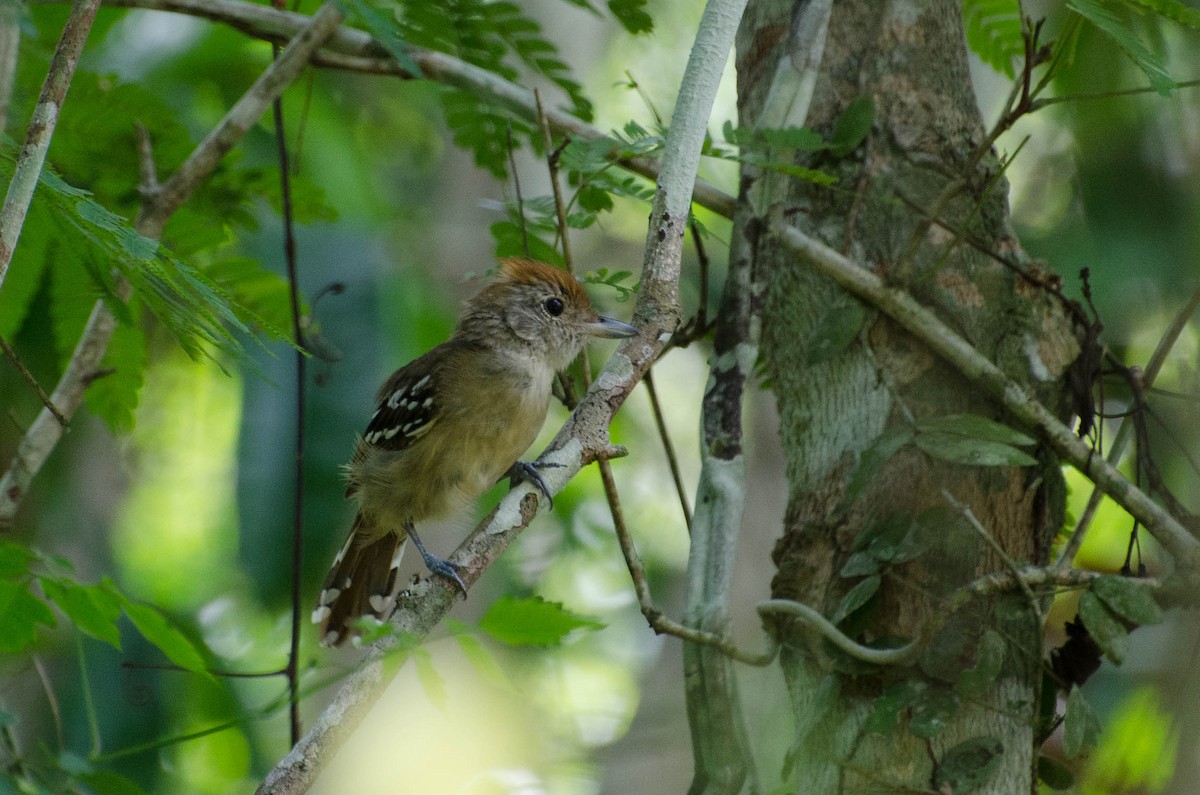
(554, 306)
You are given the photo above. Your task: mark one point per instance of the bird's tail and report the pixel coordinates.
(361, 582)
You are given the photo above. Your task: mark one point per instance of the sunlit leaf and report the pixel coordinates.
(14, 559)
(93, 609)
(20, 613)
(993, 30)
(532, 621)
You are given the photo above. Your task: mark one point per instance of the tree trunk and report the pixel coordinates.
(853, 389)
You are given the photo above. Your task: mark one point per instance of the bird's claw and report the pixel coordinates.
(531, 473)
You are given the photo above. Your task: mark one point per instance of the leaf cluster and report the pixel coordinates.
(995, 32)
(93, 609)
(496, 36)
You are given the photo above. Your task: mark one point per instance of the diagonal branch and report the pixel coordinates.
(981, 371)
(42, 436)
(41, 126)
(584, 438)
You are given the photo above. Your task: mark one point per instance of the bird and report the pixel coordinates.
(449, 425)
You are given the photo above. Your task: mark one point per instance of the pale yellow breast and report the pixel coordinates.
(471, 444)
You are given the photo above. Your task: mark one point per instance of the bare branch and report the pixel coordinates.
(33, 384)
(41, 126)
(980, 370)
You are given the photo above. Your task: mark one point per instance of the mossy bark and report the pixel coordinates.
(841, 391)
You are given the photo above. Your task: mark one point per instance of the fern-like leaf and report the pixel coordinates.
(994, 32)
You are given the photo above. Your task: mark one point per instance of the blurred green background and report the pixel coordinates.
(188, 505)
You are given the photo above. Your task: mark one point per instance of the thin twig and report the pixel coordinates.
(990, 540)
(668, 448)
(51, 700)
(33, 384)
(133, 665)
(512, 167)
(41, 128)
(560, 207)
(1121, 439)
(289, 255)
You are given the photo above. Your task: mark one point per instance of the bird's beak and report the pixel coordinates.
(612, 329)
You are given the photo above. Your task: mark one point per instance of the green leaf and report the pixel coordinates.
(989, 658)
(1119, 32)
(859, 564)
(852, 126)
(160, 633)
(856, 597)
(993, 29)
(932, 712)
(114, 398)
(384, 30)
(510, 243)
(888, 541)
(106, 782)
(1054, 774)
(1127, 599)
(14, 559)
(20, 613)
(92, 242)
(24, 276)
(93, 609)
(483, 661)
(632, 15)
(265, 294)
(968, 766)
(887, 709)
(1173, 10)
(532, 621)
(837, 328)
(958, 449)
(871, 462)
(976, 427)
(1081, 727)
(1108, 632)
